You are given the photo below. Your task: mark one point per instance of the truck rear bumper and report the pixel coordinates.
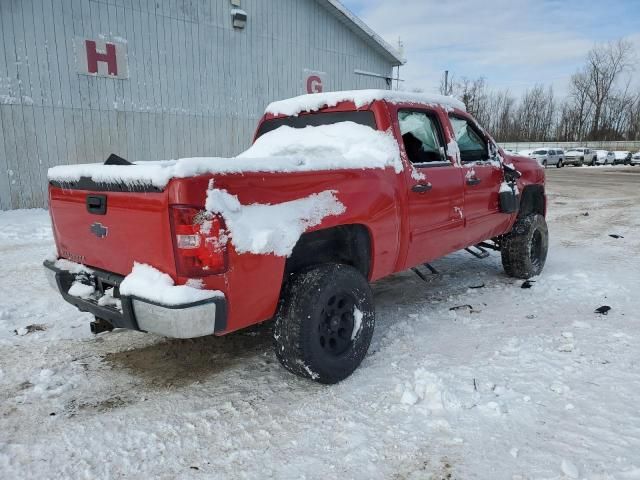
(190, 320)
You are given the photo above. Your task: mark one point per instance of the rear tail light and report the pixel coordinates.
(199, 242)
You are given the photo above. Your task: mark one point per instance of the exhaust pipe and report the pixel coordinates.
(100, 326)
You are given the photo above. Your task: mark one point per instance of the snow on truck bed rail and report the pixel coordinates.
(315, 101)
(345, 145)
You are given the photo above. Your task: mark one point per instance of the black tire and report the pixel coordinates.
(314, 329)
(544, 163)
(524, 249)
(559, 164)
(593, 162)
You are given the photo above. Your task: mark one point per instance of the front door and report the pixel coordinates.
(483, 177)
(435, 191)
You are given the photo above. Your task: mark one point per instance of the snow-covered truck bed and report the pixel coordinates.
(338, 190)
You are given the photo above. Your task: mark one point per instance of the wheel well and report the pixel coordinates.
(347, 244)
(532, 201)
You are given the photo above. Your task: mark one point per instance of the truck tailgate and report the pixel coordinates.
(133, 227)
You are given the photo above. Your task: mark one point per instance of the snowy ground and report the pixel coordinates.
(530, 384)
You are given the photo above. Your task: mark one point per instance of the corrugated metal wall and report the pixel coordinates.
(196, 86)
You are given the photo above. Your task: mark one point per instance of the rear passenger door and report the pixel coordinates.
(483, 176)
(435, 192)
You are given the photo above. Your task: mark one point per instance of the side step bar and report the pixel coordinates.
(479, 252)
(422, 275)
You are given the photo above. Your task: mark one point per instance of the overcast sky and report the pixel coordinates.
(512, 43)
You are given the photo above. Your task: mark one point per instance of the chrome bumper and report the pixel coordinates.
(190, 320)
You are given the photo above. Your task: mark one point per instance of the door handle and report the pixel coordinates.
(421, 187)
(473, 181)
(97, 204)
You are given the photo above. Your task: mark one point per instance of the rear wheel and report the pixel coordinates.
(544, 163)
(325, 323)
(524, 249)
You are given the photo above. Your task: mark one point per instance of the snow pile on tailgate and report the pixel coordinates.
(340, 146)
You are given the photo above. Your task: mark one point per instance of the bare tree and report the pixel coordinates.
(536, 114)
(605, 64)
(580, 105)
(599, 105)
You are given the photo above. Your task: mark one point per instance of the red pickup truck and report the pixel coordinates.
(346, 188)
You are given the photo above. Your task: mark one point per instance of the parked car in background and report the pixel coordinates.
(623, 157)
(581, 156)
(546, 157)
(635, 159)
(605, 157)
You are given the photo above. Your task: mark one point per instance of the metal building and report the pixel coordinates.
(158, 79)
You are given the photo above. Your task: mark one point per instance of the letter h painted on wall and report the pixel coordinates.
(109, 57)
(102, 58)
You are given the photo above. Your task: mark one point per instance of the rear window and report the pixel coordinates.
(540, 152)
(316, 119)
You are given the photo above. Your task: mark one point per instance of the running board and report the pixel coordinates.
(422, 275)
(481, 253)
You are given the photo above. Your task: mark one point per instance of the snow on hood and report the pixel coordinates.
(271, 229)
(344, 145)
(313, 102)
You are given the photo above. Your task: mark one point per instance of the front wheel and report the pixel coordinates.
(524, 249)
(559, 164)
(325, 322)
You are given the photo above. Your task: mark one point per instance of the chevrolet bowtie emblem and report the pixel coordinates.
(99, 230)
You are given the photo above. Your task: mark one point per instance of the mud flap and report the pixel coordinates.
(509, 201)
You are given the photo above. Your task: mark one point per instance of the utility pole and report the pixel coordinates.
(446, 82)
(401, 51)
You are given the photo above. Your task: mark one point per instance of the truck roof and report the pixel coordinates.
(317, 101)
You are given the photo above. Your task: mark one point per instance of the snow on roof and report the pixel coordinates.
(310, 103)
(341, 146)
(365, 32)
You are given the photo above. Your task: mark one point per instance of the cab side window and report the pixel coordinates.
(473, 147)
(421, 136)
